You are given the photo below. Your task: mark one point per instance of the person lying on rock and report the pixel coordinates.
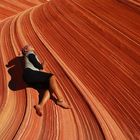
(35, 76)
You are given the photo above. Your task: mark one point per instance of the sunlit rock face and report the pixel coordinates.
(93, 48)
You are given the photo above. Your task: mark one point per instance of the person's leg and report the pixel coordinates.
(56, 89)
(39, 107)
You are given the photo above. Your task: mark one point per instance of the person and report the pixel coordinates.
(35, 76)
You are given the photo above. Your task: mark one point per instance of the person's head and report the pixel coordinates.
(26, 49)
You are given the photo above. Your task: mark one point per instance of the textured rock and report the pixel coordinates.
(93, 48)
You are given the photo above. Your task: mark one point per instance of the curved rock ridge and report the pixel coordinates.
(135, 4)
(93, 48)
(12, 7)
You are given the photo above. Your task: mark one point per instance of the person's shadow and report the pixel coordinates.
(15, 69)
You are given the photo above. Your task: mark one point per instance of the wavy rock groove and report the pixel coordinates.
(93, 48)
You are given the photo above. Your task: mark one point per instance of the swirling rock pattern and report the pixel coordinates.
(93, 48)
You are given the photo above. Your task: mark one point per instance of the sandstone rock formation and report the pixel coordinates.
(93, 48)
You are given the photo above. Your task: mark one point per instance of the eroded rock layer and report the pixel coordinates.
(93, 48)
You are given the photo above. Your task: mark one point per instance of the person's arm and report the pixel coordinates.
(34, 61)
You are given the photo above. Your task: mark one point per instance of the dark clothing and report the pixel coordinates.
(37, 79)
(32, 76)
(34, 61)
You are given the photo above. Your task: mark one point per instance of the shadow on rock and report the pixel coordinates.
(15, 69)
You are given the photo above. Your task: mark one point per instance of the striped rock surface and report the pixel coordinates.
(93, 48)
